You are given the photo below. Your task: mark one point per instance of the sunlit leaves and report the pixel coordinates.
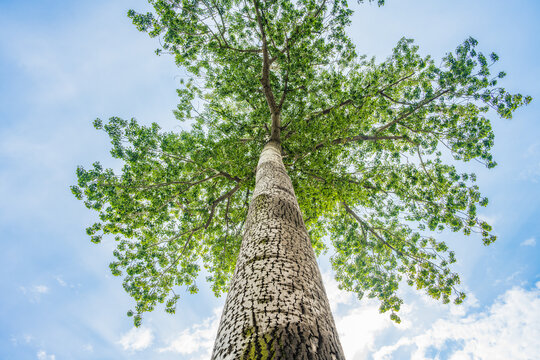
(368, 145)
(166, 208)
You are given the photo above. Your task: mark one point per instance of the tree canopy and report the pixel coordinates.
(370, 147)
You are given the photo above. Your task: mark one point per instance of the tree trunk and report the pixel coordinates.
(276, 307)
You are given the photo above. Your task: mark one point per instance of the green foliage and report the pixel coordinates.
(368, 145)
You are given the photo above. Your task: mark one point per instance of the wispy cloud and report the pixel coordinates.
(514, 278)
(61, 281)
(491, 220)
(34, 293)
(42, 355)
(137, 339)
(531, 173)
(529, 242)
(24, 339)
(40, 289)
(532, 150)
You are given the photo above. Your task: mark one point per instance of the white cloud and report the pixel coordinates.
(35, 292)
(42, 355)
(41, 289)
(61, 281)
(509, 329)
(137, 339)
(197, 339)
(529, 242)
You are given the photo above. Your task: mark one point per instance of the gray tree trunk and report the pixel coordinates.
(276, 307)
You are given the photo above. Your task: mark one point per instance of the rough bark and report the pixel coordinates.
(276, 307)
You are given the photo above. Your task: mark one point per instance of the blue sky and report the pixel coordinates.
(64, 63)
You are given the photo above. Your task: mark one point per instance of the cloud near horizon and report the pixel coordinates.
(509, 329)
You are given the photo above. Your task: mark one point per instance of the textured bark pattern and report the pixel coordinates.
(276, 307)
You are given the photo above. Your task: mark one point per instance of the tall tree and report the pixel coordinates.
(279, 100)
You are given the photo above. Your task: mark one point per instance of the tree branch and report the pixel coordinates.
(397, 82)
(393, 100)
(348, 139)
(223, 29)
(330, 109)
(217, 201)
(265, 78)
(370, 229)
(290, 40)
(407, 114)
(285, 88)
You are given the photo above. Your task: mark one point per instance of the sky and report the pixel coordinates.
(64, 63)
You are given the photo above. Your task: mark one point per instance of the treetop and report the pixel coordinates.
(370, 148)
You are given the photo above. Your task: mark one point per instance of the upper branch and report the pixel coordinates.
(222, 30)
(289, 41)
(265, 78)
